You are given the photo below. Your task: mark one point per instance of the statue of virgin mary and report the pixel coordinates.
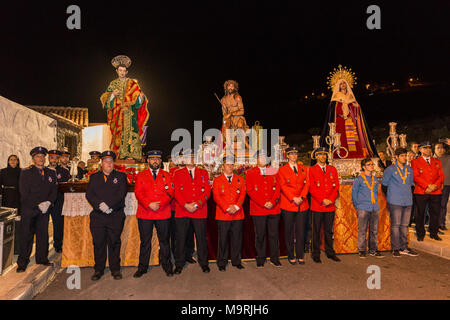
(345, 111)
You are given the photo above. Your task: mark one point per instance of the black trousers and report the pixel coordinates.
(294, 221)
(58, 221)
(33, 222)
(270, 223)
(182, 228)
(146, 234)
(434, 208)
(106, 231)
(229, 230)
(190, 245)
(327, 220)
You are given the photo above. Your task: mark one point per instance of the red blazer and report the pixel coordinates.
(262, 189)
(425, 174)
(227, 194)
(294, 185)
(173, 201)
(149, 190)
(189, 190)
(323, 186)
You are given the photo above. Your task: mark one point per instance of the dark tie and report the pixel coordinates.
(295, 170)
(324, 170)
(428, 160)
(190, 172)
(154, 174)
(229, 179)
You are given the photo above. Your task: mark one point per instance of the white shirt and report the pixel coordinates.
(427, 159)
(293, 166)
(263, 170)
(323, 167)
(157, 171)
(193, 172)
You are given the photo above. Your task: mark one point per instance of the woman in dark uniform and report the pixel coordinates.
(9, 183)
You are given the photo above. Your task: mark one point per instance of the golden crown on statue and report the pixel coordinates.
(121, 60)
(341, 73)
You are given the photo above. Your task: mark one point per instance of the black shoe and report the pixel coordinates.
(178, 270)
(191, 260)
(205, 269)
(117, 275)
(420, 238)
(21, 269)
(334, 258)
(440, 232)
(139, 273)
(443, 228)
(58, 250)
(260, 264)
(301, 262)
(96, 276)
(292, 262)
(239, 266)
(317, 260)
(222, 268)
(396, 253)
(362, 254)
(169, 272)
(275, 263)
(47, 264)
(436, 237)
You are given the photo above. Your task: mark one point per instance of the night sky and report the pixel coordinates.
(182, 53)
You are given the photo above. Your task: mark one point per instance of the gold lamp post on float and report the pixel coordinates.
(392, 141)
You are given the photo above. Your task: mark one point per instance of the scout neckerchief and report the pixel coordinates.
(400, 173)
(372, 195)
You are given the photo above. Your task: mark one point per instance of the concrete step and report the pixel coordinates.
(438, 248)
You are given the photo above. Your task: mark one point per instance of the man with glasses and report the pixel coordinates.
(364, 197)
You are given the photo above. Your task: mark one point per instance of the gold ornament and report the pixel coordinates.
(341, 73)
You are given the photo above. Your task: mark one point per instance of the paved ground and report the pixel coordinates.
(422, 277)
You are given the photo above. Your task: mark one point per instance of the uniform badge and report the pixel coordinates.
(50, 179)
(58, 176)
(238, 191)
(166, 187)
(115, 180)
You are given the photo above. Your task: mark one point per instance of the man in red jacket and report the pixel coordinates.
(192, 191)
(324, 187)
(229, 195)
(294, 183)
(263, 189)
(178, 163)
(154, 191)
(428, 179)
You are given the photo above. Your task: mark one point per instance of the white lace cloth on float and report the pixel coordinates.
(76, 204)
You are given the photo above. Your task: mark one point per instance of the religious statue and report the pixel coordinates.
(346, 113)
(127, 112)
(233, 111)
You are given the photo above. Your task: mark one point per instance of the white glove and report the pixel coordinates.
(104, 207)
(43, 206)
(109, 211)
